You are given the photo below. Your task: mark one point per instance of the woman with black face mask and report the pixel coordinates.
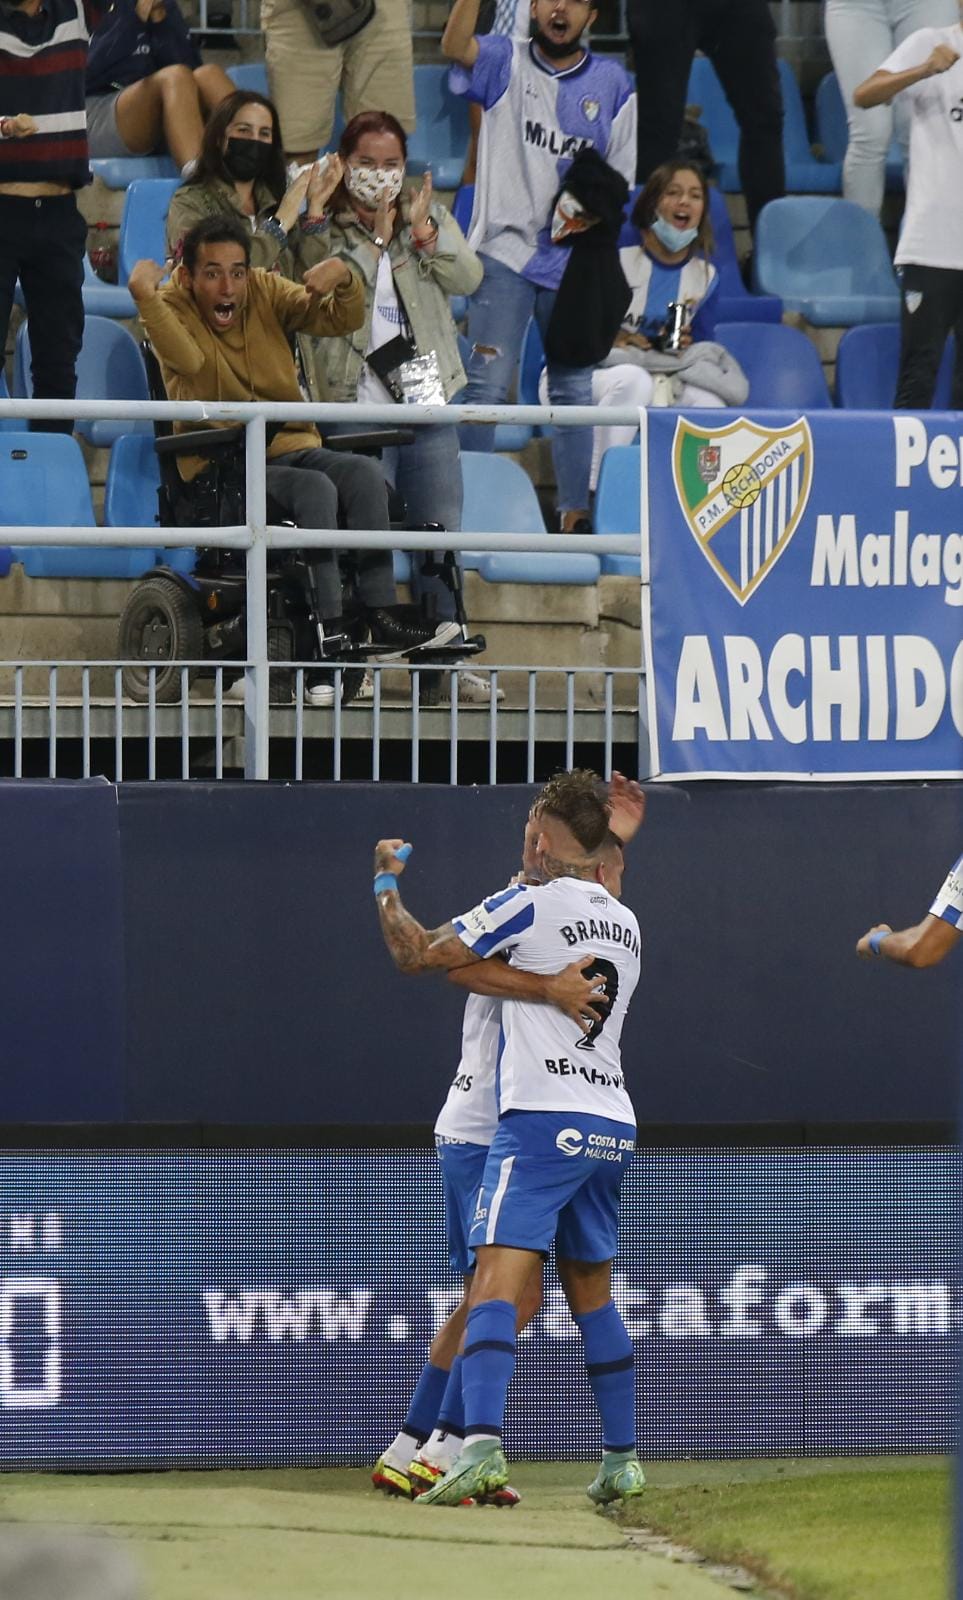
(241, 172)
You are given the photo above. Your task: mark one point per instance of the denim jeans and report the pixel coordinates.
(427, 474)
(860, 35)
(498, 312)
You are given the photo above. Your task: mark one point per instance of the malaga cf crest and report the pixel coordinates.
(743, 490)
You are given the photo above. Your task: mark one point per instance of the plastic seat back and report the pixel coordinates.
(8, 424)
(440, 139)
(109, 367)
(867, 365)
(827, 258)
(500, 498)
(617, 504)
(250, 75)
(43, 483)
(717, 118)
(143, 225)
(119, 172)
(805, 173)
(832, 130)
(782, 365)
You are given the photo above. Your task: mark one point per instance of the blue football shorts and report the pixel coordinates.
(554, 1175)
(462, 1166)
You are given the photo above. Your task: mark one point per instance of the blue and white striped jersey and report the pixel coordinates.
(655, 286)
(545, 1063)
(949, 902)
(536, 120)
(470, 1112)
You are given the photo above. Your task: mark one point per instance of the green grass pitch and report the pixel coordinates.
(870, 1529)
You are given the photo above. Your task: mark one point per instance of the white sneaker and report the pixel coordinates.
(319, 694)
(473, 690)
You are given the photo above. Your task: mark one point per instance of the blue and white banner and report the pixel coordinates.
(802, 614)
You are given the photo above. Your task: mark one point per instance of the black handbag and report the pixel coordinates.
(338, 20)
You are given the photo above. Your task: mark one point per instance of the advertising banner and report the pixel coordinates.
(805, 582)
(205, 1308)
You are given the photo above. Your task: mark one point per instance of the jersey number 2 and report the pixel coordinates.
(607, 971)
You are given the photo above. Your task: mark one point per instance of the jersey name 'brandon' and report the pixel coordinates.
(601, 932)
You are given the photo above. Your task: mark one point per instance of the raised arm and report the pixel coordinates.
(458, 42)
(172, 343)
(922, 946)
(882, 87)
(412, 947)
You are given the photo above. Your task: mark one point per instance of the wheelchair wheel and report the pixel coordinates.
(280, 647)
(160, 623)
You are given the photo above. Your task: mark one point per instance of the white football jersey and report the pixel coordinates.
(471, 1111)
(932, 231)
(949, 902)
(545, 1063)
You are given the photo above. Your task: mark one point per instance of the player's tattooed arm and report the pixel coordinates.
(582, 999)
(412, 947)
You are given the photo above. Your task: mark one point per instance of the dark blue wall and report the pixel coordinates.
(231, 930)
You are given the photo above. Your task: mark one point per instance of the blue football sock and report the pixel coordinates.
(489, 1362)
(425, 1402)
(610, 1364)
(451, 1417)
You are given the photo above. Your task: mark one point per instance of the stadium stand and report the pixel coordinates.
(7, 424)
(805, 173)
(832, 130)
(828, 259)
(440, 138)
(250, 75)
(867, 364)
(130, 494)
(43, 482)
(782, 365)
(109, 367)
(500, 498)
(117, 172)
(142, 223)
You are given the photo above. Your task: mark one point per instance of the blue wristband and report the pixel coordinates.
(385, 881)
(876, 939)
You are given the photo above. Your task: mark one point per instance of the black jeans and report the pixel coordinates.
(312, 487)
(739, 38)
(42, 242)
(932, 308)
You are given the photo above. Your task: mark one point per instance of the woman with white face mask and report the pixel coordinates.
(411, 255)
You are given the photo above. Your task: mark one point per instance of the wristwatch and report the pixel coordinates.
(378, 241)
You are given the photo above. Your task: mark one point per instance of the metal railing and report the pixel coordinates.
(614, 718)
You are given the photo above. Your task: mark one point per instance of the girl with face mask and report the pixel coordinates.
(412, 256)
(241, 172)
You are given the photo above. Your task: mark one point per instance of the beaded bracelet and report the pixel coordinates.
(315, 224)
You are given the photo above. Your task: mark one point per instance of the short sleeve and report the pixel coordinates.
(911, 53)
(488, 79)
(948, 904)
(498, 923)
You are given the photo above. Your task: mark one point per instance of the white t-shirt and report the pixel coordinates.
(932, 234)
(471, 1110)
(545, 1063)
(386, 324)
(949, 902)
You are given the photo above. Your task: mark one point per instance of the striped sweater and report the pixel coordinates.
(43, 60)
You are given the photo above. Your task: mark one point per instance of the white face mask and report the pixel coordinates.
(368, 184)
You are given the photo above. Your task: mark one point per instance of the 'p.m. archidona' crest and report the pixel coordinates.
(743, 489)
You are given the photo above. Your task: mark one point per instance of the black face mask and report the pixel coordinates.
(247, 158)
(553, 48)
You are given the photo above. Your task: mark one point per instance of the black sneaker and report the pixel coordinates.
(401, 635)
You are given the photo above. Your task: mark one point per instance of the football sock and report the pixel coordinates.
(421, 1418)
(610, 1364)
(446, 1441)
(488, 1364)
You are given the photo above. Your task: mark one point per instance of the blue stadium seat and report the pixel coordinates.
(867, 364)
(832, 130)
(440, 139)
(109, 368)
(805, 174)
(130, 495)
(461, 205)
(250, 75)
(735, 303)
(143, 224)
(782, 365)
(8, 424)
(617, 503)
(43, 482)
(105, 299)
(827, 258)
(500, 498)
(117, 172)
